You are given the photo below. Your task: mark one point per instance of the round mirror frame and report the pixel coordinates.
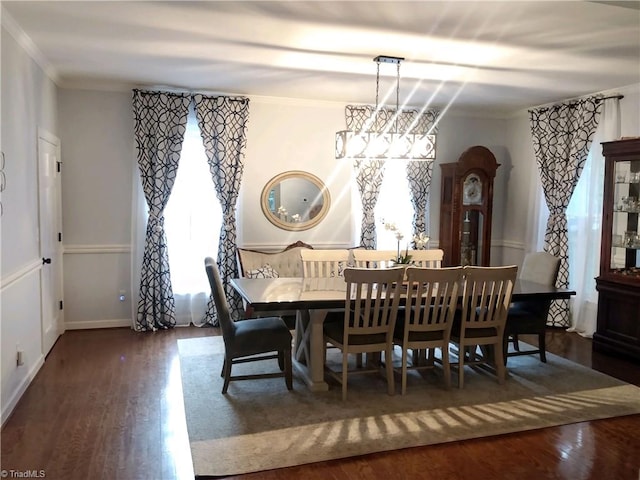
(295, 226)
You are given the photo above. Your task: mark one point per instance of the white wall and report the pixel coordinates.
(96, 130)
(28, 103)
(293, 135)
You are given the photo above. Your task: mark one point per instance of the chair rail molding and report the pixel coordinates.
(29, 268)
(93, 249)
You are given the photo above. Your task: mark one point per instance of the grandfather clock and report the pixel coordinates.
(465, 208)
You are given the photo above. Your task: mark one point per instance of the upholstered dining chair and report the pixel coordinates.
(425, 323)
(249, 340)
(486, 298)
(324, 262)
(530, 317)
(371, 307)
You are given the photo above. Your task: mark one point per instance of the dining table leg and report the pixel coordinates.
(309, 348)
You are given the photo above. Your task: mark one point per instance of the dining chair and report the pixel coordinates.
(429, 258)
(425, 323)
(249, 340)
(373, 258)
(324, 262)
(485, 301)
(530, 316)
(371, 307)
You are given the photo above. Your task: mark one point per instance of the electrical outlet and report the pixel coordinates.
(19, 358)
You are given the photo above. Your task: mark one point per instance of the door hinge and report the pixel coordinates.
(59, 166)
(59, 236)
(61, 305)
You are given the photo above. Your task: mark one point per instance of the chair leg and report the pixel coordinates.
(281, 360)
(224, 363)
(461, 355)
(345, 365)
(501, 368)
(516, 344)
(542, 346)
(388, 360)
(227, 374)
(446, 366)
(505, 348)
(404, 369)
(288, 370)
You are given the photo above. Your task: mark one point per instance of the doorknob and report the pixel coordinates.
(46, 260)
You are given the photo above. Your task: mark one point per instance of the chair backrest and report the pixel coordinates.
(486, 297)
(373, 258)
(431, 258)
(432, 297)
(372, 300)
(324, 263)
(540, 267)
(219, 299)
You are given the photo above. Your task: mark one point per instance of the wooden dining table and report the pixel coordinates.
(312, 298)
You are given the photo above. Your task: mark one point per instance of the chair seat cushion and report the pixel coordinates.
(416, 336)
(335, 331)
(259, 335)
(470, 332)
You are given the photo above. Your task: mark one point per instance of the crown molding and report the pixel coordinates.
(24, 40)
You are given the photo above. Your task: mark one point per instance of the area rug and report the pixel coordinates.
(260, 425)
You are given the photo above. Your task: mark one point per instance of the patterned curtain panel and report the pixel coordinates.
(370, 172)
(562, 135)
(419, 177)
(160, 124)
(222, 122)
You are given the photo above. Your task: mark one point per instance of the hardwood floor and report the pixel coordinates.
(107, 404)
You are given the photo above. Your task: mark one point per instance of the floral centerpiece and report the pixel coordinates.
(420, 240)
(400, 259)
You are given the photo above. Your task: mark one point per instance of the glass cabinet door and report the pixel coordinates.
(625, 235)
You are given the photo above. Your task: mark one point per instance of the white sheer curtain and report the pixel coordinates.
(394, 206)
(192, 224)
(584, 217)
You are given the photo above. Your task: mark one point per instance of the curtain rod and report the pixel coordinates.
(619, 97)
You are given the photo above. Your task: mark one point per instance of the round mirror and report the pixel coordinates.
(295, 200)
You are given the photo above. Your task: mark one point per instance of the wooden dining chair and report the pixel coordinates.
(530, 316)
(373, 258)
(425, 323)
(324, 262)
(249, 340)
(485, 301)
(429, 258)
(371, 307)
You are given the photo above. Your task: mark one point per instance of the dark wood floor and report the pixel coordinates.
(107, 405)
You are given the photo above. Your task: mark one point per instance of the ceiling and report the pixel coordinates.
(480, 56)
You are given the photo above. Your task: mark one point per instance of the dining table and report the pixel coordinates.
(312, 298)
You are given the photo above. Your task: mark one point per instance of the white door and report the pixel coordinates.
(50, 213)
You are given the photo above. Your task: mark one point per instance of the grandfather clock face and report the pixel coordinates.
(472, 190)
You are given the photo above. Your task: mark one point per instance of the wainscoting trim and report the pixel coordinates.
(91, 324)
(93, 249)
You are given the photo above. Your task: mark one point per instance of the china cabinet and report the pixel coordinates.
(618, 285)
(465, 208)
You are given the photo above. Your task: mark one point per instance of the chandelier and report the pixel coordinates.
(385, 141)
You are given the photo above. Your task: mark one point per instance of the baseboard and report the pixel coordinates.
(19, 391)
(91, 324)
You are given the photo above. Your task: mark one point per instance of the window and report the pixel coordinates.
(394, 205)
(193, 218)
